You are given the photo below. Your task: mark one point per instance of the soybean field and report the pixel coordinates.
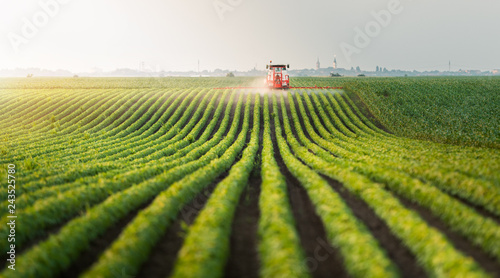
(169, 177)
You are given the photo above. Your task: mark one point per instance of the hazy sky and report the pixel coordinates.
(80, 35)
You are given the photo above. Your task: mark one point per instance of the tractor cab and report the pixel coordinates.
(277, 76)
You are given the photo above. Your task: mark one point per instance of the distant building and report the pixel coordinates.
(317, 64)
(334, 61)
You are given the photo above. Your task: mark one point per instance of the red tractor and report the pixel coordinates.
(277, 76)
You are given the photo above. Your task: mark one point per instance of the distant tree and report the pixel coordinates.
(334, 74)
(385, 70)
(358, 69)
(75, 76)
(352, 69)
(361, 75)
(377, 69)
(230, 74)
(29, 75)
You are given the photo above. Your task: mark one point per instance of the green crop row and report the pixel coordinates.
(425, 242)
(361, 253)
(281, 254)
(54, 209)
(172, 133)
(67, 165)
(481, 231)
(477, 191)
(137, 127)
(24, 139)
(74, 237)
(46, 144)
(134, 244)
(78, 123)
(411, 150)
(446, 157)
(45, 192)
(206, 246)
